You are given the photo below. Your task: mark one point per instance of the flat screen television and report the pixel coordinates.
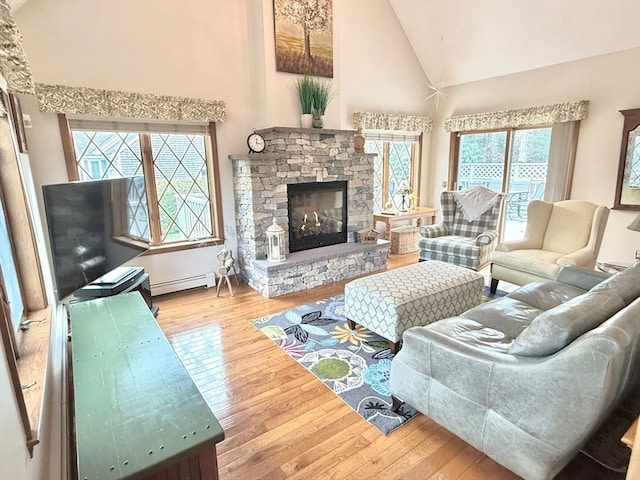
(94, 227)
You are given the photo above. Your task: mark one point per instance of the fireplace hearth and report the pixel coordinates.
(317, 214)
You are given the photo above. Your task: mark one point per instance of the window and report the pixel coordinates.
(512, 160)
(395, 167)
(178, 163)
(25, 319)
(9, 278)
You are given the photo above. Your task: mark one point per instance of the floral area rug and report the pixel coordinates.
(354, 364)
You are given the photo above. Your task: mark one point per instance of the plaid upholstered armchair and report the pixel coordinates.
(467, 234)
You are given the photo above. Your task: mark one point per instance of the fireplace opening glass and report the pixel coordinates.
(317, 214)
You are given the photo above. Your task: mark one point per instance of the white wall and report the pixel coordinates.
(610, 82)
(379, 70)
(193, 48)
(14, 456)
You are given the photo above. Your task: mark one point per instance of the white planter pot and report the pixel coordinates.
(306, 120)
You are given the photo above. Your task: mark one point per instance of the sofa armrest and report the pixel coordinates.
(521, 244)
(583, 257)
(486, 238)
(546, 391)
(580, 277)
(435, 230)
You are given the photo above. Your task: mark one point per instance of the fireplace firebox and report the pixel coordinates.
(317, 214)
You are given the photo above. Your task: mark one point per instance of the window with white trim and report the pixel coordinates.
(396, 168)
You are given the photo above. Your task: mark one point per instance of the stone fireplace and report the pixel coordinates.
(316, 160)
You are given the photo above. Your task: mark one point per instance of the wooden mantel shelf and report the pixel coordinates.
(275, 135)
(265, 157)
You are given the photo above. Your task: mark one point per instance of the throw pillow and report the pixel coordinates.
(554, 329)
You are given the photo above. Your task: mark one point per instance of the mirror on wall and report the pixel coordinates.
(628, 186)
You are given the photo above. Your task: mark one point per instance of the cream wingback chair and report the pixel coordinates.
(557, 234)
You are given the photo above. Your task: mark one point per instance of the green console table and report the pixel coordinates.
(137, 413)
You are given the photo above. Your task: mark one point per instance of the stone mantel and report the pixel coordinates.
(260, 180)
(255, 157)
(306, 131)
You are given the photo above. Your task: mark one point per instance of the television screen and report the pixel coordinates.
(94, 227)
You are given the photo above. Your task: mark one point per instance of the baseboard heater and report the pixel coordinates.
(203, 280)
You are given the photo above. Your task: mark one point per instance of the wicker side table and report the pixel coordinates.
(404, 239)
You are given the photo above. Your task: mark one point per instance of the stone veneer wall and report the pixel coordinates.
(294, 155)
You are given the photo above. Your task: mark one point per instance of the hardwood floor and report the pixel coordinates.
(282, 423)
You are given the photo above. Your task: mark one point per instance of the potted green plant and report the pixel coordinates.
(321, 96)
(304, 87)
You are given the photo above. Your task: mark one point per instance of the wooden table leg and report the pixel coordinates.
(387, 230)
(229, 284)
(224, 278)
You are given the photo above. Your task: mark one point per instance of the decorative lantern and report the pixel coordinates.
(275, 239)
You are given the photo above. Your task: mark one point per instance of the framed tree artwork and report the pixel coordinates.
(304, 36)
(628, 186)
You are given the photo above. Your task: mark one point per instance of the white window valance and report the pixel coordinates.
(390, 121)
(390, 136)
(522, 117)
(13, 62)
(117, 104)
(106, 125)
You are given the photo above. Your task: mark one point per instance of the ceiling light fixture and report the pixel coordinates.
(438, 93)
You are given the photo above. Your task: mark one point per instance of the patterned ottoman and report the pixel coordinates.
(390, 302)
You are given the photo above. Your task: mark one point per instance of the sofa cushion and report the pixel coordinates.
(507, 315)
(451, 245)
(556, 328)
(461, 332)
(545, 295)
(538, 262)
(625, 283)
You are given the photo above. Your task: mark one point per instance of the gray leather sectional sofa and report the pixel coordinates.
(529, 377)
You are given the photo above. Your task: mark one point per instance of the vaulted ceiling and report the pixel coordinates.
(460, 41)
